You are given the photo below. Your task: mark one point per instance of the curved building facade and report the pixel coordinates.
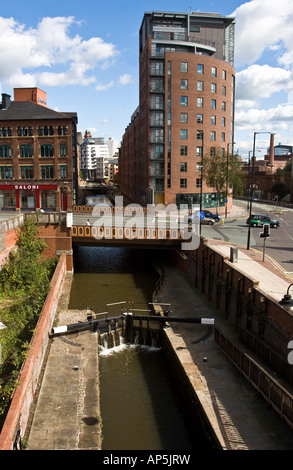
(186, 108)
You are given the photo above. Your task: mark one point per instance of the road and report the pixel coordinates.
(278, 247)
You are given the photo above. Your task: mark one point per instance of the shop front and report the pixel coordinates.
(28, 197)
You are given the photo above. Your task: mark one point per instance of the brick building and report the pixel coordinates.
(38, 154)
(186, 108)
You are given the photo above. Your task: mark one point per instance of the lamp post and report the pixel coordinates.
(287, 300)
(251, 187)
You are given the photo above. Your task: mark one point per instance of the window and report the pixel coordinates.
(213, 135)
(157, 119)
(24, 131)
(47, 150)
(224, 91)
(198, 182)
(213, 88)
(158, 151)
(184, 67)
(157, 102)
(199, 151)
(157, 68)
(213, 120)
(212, 151)
(183, 134)
(224, 75)
(200, 69)
(198, 167)
(223, 121)
(183, 183)
(214, 104)
(183, 150)
(199, 135)
(62, 130)
(199, 86)
(47, 172)
(48, 130)
(199, 119)
(184, 117)
(214, 71)
(6, 172)
(223, 105)
(200, 102)
(157, 135)
(62, 150)
(5, 151)
(184, 101)
(41, 131)
(222, 136)
(183, 166)
(63, 171)
(27, 172)
(184, 84)
(25, 151)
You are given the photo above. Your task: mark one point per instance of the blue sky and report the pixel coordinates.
(85, 56)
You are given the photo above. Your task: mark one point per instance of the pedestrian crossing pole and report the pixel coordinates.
(265, 234)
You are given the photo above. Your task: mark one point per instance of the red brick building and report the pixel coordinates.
(38, 154)
(186, 108)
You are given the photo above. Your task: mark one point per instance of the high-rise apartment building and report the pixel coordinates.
(95, 157)
(186, 107)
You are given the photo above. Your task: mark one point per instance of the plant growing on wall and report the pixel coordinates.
(24, 284)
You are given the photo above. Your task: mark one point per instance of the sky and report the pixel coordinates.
(84, 54)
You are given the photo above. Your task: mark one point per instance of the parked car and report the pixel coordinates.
(257, 220)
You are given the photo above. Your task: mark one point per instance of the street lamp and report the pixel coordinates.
(251, 187)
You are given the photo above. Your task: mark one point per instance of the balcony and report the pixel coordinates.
(157, 172)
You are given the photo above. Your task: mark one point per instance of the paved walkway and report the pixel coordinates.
(240, 419)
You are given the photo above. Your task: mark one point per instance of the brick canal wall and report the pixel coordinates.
(18, 414)
(8, 237)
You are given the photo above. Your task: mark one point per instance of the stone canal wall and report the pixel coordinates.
(18, 414)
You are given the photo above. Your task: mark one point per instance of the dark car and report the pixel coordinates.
(258, 220)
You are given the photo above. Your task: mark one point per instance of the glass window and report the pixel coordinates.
(200, 86)
(200, 69)
(200, 102)
(27, 172)
(183, 183)
(213, 135)
(199, 151)
(5, 151)
(184, 67)
(223, 121)
(213, 88)
(183, 134)
(183, 166)
(184, 117)
(214, 104)
(47, 172)
(199, 119)
(6, 172)
(213, 120)
(198, 182)
(47, 150)
(184, 84)
(224, 74)
(224, 90)
(223, 105)
(183, 150)
(223, 137)
(63, 171)
(62, 150)
(26, 151)
(184, 101)
(199, 135)
(214, 71)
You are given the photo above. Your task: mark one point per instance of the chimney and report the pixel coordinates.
(6, 101)
(272, 150)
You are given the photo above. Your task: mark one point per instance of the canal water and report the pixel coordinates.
(141, 408)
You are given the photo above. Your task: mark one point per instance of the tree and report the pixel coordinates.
(218, 176)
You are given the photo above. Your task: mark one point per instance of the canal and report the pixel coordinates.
(141, 408)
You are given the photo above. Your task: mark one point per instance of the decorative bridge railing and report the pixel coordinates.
(129, 233)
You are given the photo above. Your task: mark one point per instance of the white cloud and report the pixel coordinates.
(49, 45)
(261, 81)
(261, 25)
(125, 79)
(105, 87)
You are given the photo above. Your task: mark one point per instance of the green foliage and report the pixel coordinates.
(24, 284)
